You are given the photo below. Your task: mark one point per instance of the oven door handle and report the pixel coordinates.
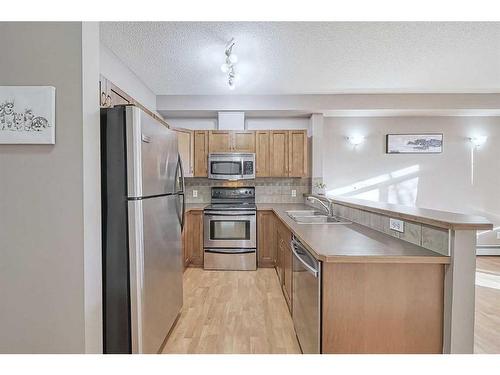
(230, 251)
(227, 214)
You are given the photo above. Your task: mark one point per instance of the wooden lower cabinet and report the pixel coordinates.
(382, 308)
(287, 273)
(284, 267)
(266, 239)
(193, 238)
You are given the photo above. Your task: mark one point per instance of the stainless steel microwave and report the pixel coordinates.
(231, 166)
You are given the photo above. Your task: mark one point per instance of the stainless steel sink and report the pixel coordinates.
(304, 213)
(314, 217)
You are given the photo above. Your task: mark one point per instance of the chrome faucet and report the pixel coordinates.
(328, 207)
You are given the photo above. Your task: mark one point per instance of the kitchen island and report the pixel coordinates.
(385, 291)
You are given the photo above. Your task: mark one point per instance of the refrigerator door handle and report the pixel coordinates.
(182, 191)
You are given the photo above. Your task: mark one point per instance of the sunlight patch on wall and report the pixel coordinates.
(404, 192)
(399, 186)
(371, 195)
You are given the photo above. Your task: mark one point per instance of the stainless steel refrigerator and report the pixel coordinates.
(142, 219)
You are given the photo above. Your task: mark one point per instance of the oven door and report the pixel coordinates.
(230, 229)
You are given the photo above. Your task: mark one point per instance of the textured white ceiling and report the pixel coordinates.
(184, 58)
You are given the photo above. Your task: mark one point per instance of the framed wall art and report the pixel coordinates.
(426, 143)
(27, 115)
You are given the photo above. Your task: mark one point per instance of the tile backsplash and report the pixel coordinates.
(267, 190)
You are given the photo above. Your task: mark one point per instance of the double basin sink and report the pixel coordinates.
(314, 217)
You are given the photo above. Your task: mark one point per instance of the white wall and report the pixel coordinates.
(43, 211)
(117, 72)
(441, 181)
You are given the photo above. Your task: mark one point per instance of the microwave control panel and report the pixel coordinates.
(248, 167)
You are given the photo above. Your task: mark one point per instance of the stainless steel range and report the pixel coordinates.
(230, 229)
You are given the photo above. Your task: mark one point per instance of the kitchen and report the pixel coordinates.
(264, 215)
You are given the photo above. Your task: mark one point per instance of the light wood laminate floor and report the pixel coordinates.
(233, 312)
(487, 326)
(245, 312)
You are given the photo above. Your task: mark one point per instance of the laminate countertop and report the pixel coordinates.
(195, 206)
(441, 219)
(351, 243)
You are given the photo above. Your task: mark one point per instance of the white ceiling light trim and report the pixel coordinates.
(228, 66)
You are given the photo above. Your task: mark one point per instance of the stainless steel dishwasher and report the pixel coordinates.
(306, 298)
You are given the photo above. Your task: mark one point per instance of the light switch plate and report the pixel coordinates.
(397, 225)
(294, 193)
(195, 193)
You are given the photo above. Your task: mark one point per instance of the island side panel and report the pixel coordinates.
(460, 293)
(382, 308)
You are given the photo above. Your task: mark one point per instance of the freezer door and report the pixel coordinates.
(152, 155)
(155, 271)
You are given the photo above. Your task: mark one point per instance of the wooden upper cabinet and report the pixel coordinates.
(262, 157)
(243, 141)
(297, 153)
(278, 153)
(200, 153)
(111, 95)
(219, 141)
(185, 145)
(231, 141)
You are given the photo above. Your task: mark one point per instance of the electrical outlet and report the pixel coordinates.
(397, 225)
(294, 193)
(195, 193)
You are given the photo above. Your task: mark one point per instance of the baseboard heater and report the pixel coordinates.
(491, 250)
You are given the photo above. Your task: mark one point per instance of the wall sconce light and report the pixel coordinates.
(356, 140)
(478, 141)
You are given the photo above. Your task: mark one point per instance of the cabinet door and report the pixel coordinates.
(266, 242)
(280, 249)
(185, 145)
(297, 153)
(194, 237)
(185, 248)
(262, 154)
(200, 153)
(243, 141)
(278, 153)
(279, 259)
(220, 141)
(287, 273)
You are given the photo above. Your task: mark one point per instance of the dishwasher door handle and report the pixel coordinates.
(307, 266)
